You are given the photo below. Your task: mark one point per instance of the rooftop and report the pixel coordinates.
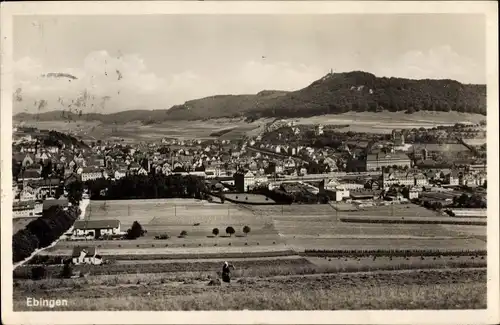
(97, 224)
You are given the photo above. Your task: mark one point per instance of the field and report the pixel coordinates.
(273, 269)
(424, 289)
(359, 122)
(20, 223)
(273, 228)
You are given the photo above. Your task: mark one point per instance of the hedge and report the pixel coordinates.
(420, 222)
(56, 259)
(392, 252)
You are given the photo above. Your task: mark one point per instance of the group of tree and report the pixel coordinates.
(473, 201)
(149, 187)
(135, 231)
(364, 92)
(280, 196)
(231, 231)
(43, 231)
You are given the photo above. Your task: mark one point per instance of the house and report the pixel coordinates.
(30, 174)
(289, 163)
(340, 193)
(28, 160)
(381, 160)
(27, 194)
(452, 178)
(421, 180)
(393, 195)
(142, 171)
(389, 179)
(120, 173)
(410, 193)
(467, 180)
(90, 173)
(96, 228)
(243, 181)
(85, 255)
(23, 209)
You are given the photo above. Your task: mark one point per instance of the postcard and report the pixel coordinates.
(227, 162)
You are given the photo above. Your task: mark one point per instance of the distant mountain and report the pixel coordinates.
(335, 93)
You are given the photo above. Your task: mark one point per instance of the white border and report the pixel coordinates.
(489, 8)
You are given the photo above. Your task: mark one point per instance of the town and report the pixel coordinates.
(304, 161)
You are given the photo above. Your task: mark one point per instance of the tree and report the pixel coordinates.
(24, 243)
(183, 234)
(38, 273)
(215, 231)
(135, 231)
(246, 230)
(230, 231)
(75, 192)
(67, 271)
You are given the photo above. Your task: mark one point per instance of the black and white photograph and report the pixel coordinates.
(204, 156)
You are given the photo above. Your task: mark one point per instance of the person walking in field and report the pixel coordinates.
(226, 272)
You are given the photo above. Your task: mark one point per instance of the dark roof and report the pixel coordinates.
(97, 224)
(45, 182)
(25, 206)
(90, 250)
(50, 203)
(388, 156)
(31, 173)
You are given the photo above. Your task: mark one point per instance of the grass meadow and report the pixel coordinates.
(418, 289)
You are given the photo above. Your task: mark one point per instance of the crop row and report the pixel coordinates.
(393, 252)
(413, 221)
(52, 271)
(57, 259)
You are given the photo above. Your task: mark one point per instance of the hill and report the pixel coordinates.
(335, 93)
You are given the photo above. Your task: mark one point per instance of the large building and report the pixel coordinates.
(382, 160)
(244, 181)
(96, 228)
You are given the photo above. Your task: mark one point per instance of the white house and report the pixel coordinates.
(452, 178)
(85, 255)
(120, 173)
(96, 228)
(91, 174)
(341, 193)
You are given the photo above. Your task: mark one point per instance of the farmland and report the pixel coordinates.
(237, 128)
(281, 255)
(273, 228)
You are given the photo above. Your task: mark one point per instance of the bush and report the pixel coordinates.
(135, 231)
(162, 236)
(67, 271)
(215, 231)
(246, 230)
(38, 273)
(230, 231)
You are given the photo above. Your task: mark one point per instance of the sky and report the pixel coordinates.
(156, 61)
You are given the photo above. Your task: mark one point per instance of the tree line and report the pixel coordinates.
(148, 187)
(280, 196)
(43, 231)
